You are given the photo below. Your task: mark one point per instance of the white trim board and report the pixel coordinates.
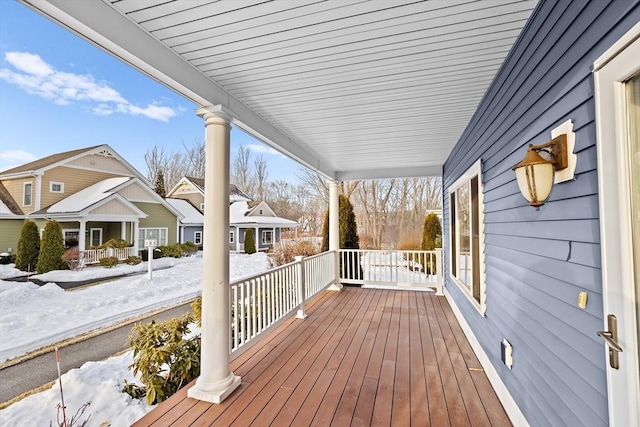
(510, 406)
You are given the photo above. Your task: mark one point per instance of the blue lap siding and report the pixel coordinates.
(537, 262)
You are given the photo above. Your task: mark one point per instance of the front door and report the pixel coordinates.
(617, 84)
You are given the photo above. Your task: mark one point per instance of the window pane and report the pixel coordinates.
(475, 238)
(454, 236)
(464, 234)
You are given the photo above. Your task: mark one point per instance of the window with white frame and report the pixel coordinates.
(197, 237)
(267, 237)
(26, 199)
(231, 237)
(56, 187)
(159, 233)
(466, 234)
(96, 237)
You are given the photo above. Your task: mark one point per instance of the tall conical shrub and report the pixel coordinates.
(51, 249)
(249, 242)
(28, 247)
(348, 236)
(431, 232)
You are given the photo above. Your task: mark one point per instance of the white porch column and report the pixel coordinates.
(216, 381)
(123, 230)
(82, 240)
(334, 232)
(136, 235)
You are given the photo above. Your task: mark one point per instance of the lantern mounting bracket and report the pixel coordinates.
(557, 149)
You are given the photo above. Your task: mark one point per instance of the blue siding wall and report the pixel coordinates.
(537, 262)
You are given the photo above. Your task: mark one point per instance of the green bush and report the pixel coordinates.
(28, 248)
(173, 251)
(249, 242)
(348, 228)
(163, 357)
(189, 248)
(114, 243)
(133, 260)
(51, 249)
(431, 233)
(108, 262)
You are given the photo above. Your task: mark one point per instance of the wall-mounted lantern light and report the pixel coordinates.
(535, 173)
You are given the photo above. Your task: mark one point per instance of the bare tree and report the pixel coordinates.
(261, 174)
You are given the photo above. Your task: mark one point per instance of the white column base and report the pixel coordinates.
(335, 287)
(301, 315)
(216, 392)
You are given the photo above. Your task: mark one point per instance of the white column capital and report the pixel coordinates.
(215, 115)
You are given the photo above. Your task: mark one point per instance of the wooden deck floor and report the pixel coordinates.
(363, 357)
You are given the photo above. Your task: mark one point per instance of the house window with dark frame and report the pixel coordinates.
(267, 237)
(56, 187)
(26, 199)
(197, 237)
(467, 235)
(231, 237)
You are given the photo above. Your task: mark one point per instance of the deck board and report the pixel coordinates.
(363, 357)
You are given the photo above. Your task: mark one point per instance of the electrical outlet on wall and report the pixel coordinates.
(506, 353)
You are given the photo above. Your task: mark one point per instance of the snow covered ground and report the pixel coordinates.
(32, 317)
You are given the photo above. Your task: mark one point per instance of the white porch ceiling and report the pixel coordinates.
(351, 88)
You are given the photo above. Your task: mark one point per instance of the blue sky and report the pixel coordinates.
(59, 93)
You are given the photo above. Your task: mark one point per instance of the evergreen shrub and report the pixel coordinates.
(189, 248)
(173, 251)
(133, 260)
(51, 249)
(108, 262)
(28, 248)
(249, 242)
(164, 356)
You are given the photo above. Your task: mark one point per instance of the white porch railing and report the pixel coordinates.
(260, 302)
(93, 256)
(392, 268)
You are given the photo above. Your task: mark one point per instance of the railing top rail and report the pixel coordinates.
(418, 251)
(321, 254)
(263, 273)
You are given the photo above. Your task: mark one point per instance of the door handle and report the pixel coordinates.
(610, 337)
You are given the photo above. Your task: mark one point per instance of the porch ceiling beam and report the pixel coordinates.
(409, 172)
(106, 28)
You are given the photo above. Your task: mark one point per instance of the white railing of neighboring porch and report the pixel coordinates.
(260, 302)
(93, 256)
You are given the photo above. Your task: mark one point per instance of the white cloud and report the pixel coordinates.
(12, 158)
(36, 77)
(259, 148)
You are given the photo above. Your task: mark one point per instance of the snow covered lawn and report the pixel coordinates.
(32, 317)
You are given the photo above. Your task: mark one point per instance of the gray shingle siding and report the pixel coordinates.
(537, 262)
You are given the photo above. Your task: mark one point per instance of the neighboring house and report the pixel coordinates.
(191, 223)
(92, 192)
(257, 215)
(243, 214)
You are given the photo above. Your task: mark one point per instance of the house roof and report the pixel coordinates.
(234, 192)
(238, 216)
(192, 215)
(47, 161)
(8, 206)
(87, 197)
(337, 86)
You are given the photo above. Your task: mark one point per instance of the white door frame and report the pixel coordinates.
(611, 70)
